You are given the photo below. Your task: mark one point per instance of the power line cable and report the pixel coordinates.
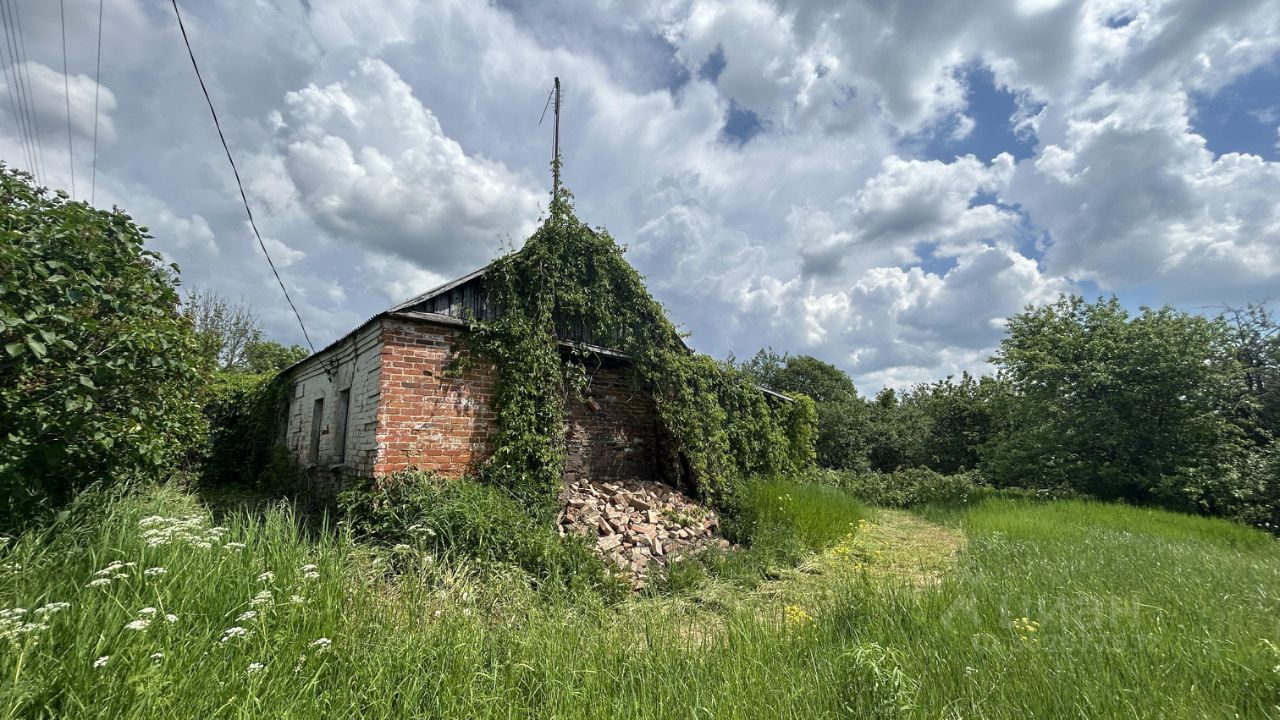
(26, 70)
(243, 198)
(97, 75)
(14, 72)
(13, 102)
(66, 89)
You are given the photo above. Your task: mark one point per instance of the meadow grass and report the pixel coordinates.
(1128, 613)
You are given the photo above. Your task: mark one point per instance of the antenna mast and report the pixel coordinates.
(555, 145)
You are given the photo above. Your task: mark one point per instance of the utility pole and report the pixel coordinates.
(555, 144)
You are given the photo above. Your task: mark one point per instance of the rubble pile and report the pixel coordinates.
(638, 526)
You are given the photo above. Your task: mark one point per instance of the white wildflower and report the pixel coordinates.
(307, 568)
(170, 618)
(400, 548)
(12, 623)
(120, 576)
(51, 608)
(101, 661)
(247, 615)
(11, 566)
(263, 599)
(138, 625)
(267, 577)
(154, 571)
(204, 545)
(232, 633)
(99, 582)
(255, 667)
(234, 546)
(310, 575)
(157, 656)
(147, 611)
(297, 599)
(321, 645)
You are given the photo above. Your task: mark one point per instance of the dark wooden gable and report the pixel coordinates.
(467, 299)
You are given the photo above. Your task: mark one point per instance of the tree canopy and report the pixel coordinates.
(1118, 406)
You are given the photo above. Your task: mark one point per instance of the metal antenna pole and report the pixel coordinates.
(555, 144)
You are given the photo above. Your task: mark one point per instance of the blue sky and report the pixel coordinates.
(877, 188)
(1244, 116)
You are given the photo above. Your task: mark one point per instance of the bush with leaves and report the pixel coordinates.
(466, 518)
(843, 435)
(906, 487)
(943, 424)
(1119, 407)
(246, 413)
(98, 369)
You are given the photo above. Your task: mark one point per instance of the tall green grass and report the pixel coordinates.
(1140, 614)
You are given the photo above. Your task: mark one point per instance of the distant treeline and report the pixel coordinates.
(1162, 407)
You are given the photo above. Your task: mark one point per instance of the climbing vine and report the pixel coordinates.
(720, 428)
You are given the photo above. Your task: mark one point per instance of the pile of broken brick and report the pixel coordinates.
(638, 526)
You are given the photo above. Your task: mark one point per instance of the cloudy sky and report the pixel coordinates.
(878, 184)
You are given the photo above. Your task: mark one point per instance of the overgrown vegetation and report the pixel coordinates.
(903, 488)
(1053, 608)
(245, 412)
(719, 427)
(455, 599)
(1118, 407)
(99, 372)
(243, 398)
(467, 521)
(1162, 407)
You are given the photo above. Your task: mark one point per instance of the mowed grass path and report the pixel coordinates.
(1000, 609)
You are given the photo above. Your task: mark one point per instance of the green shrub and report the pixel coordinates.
(907, 487)
(467, 518)
(99, 377)
(1119, 407)
(1250, 492)
(245, 412)
(282, 474)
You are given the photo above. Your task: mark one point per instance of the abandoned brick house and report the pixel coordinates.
(379, 400)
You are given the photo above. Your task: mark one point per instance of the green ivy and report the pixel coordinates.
(246, 415)
(720, 427)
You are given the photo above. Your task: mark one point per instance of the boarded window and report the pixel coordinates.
(317, 419)
(340, 424)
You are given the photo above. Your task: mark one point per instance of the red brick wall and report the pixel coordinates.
(434, 422)
(427, 419)
(615, 440)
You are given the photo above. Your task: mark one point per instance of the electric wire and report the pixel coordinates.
(14, 74)
(243, 198)
(38, 142)
(13, 102)
(66, 89)
(97, 75)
